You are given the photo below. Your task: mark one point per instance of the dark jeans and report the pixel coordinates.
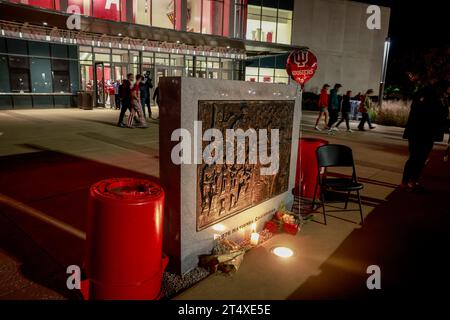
(419, 150)
(117, 96)
(334, 115)
(123, 109)
(365, 118)
(346, 118)
(145, 100)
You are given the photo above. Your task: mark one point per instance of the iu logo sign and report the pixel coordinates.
(301, 66)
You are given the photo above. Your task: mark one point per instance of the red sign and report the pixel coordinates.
(301, 66)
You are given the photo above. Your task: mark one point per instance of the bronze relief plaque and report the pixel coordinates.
(224, 190)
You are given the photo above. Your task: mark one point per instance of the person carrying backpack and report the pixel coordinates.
(364, 108)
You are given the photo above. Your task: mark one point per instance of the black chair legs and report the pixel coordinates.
(323, 208)
(346, 201)
(360, 208)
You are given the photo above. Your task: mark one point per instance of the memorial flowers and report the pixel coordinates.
(284, 221)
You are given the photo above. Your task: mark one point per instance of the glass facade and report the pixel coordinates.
(111, 65)
(36, 68)
(269, 20)
(267, 69)
(36, 73)
(257, 20)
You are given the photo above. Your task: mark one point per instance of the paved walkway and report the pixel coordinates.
(49, 158)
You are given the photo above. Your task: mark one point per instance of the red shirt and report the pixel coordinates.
(323, 99)
(136, 90)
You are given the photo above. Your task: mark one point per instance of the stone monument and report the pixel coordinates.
(237, 184)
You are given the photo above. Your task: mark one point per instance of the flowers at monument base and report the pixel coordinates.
(227, 256)
(284, 221)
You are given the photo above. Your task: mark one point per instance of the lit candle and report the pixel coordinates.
(254, 239)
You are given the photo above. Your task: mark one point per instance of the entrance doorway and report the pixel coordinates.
(99, 84)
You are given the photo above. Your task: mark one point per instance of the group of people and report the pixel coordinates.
(133, 94)
(330, 105)
(427, 123)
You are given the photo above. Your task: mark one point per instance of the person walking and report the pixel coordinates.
(144, 87)
(323, 107)
(125, 97)
(334, 107)
(116, 94)
(346, 110)
(136, 107)
(364, 108)
(427, 123)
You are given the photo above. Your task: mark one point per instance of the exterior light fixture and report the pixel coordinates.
(119, 34)
(283, 252)
(45, 23)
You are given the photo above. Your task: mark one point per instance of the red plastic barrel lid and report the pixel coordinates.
(128, 189)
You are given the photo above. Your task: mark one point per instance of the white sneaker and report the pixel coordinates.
(350, 130)
(335, 129)
(317, 128)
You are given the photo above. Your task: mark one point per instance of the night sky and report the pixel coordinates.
(417, 24)
(416, 28)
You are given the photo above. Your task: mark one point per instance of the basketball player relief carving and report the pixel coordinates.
(301, 66)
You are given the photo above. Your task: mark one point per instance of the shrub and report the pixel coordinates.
(393, 113)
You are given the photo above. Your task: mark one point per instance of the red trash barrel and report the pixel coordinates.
(306, 175)
(124, 240)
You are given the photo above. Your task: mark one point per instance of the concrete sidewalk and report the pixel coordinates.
(49, 158)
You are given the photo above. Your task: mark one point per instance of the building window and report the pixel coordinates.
(142, 12)
(240, 16)
(269, 21)
(200, 67)
(84, 5)
(116, 10)
(163, 13)
(47, 4)
(268, 69)
(41, 75)
(4, 79)
(208, 16)
(19, 74)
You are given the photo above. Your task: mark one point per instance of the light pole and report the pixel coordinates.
(387, 47)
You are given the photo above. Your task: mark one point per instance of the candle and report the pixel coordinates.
(254, 239)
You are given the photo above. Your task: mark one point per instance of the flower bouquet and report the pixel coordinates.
(284, 221)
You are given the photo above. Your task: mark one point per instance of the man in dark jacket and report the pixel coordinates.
(334, 107)
(426, 124)
(345, 111)
(125, 98)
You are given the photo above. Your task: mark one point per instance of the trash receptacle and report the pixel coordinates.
(80, 97)
(89, 100)
(306, 175)
(124, 240)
